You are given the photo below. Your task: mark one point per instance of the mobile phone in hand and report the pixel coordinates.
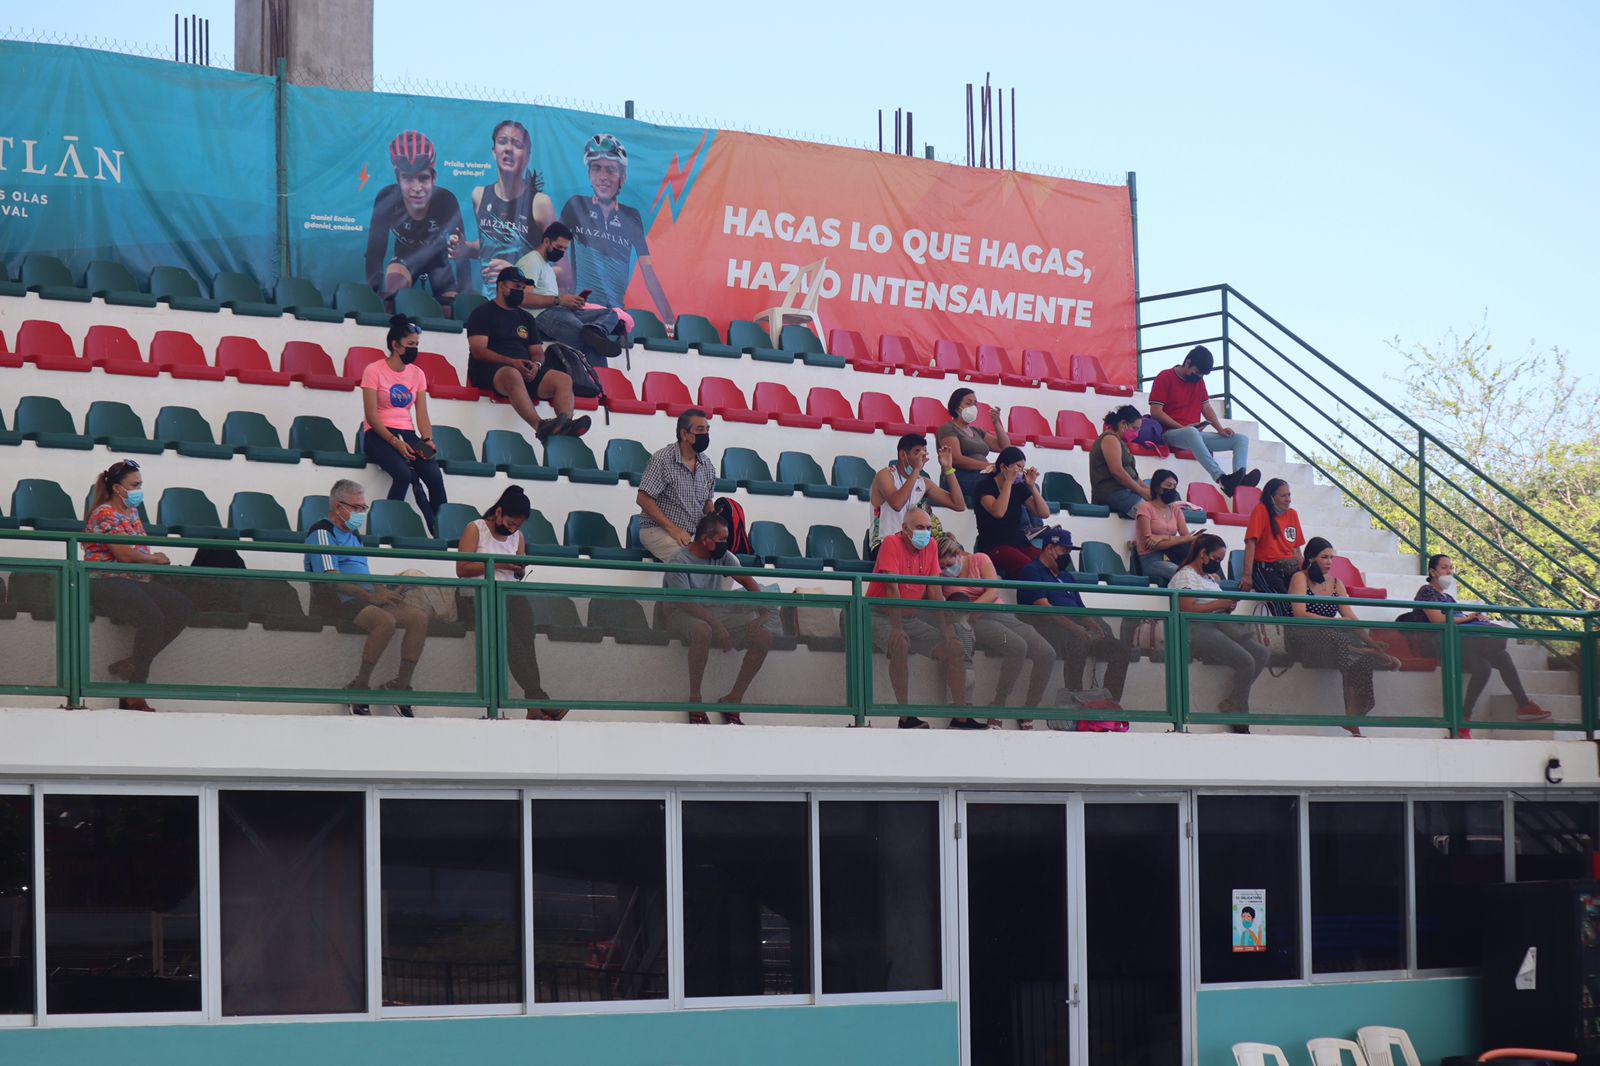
(584, 295)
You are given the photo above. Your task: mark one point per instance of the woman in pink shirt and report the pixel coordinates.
(998, 633)
(397, 434)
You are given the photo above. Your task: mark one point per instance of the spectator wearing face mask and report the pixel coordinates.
(1272, 540)
(998, 633)
(397, 433)
(727, 627)
(1179, 401)
(565, 318)
(1162, 538)
(374, 609)
(504, 357)
(970, 444)
(1480, 656)
(902, 487)
(1004, 500)
(1075, 638)
(1349, 650)
(1113, 477)
(1232, 646)
(676, 489)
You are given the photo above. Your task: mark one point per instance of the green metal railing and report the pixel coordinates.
(1393, 467)
(1570, 637)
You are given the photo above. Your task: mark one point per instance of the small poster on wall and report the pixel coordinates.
(1249, 919)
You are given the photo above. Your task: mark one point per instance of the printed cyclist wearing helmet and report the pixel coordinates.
(420, 218)
(608, 235)
(512, 213)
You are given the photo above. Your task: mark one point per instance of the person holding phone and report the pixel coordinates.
(397, 433)
(566, 318)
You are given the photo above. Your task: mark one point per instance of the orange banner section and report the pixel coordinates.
(913, 247)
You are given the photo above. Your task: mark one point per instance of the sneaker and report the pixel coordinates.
(598, 342)
(1230, 482)
(548, 427)
(967, 723)
(1252, 479)
(363, 709)
(576, 427)
(1532, 712)
(699, 718)
(404, 708)
(1465, 734)
(913, 723)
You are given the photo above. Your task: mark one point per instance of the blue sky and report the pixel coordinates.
(1364, 172)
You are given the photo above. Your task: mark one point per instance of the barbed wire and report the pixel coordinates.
(142, 49)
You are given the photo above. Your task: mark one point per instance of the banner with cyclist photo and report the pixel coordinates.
(403, 191)
(143, 161)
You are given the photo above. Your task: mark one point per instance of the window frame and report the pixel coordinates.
(1413, 966)
(1513, 798)
(31, 1018)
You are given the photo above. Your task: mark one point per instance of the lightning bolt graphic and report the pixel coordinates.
(364, 177)
(676, 178)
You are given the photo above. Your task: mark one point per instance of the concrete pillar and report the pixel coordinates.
(327, 42)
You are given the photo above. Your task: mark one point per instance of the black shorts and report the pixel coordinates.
(440, 272)
(481, 372)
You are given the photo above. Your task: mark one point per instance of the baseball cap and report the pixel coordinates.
(511, 274)
(1056, 535)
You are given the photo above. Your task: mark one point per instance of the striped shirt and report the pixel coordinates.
(327, 535)
(681, 493)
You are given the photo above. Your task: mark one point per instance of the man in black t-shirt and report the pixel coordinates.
(420, 218)
(505, 357)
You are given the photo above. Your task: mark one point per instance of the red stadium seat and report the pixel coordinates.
(1354, 582)
(880, 409)
(443, 383)
(111, 349)
(952, 358)
(929, 413)
(849, 345)
(722, 398)
(993, 359)
(834, 410)
(1245, 498)
(667, 393)
(1207, 497)
(1027, 425)
(358, 358)
(180, 355)
(47, 346)
(1076, 426)
(1040, 364)
(1086, 370)
(778, 404)
(620, 397)
(1395, 643)
(898, 351)
(242, 359)
(8, 358)
(307, 363)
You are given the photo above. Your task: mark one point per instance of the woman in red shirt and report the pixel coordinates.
(156, 612)
(1272, 543)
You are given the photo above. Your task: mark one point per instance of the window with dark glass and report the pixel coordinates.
(599, 900)
(293, 872)
(1249, 844)
(122, 904)
(1555, 841)
(1358, 886)
(452, 901)
(1458, 848)
(16, 905)
(880, 896)
(746, 898)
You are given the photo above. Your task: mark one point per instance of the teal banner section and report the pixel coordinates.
(397, 191)
(1440, 1014)
(919, 1034)
(150, 163)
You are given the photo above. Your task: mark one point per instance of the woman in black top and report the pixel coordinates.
(1001, 498)
(1350, 651)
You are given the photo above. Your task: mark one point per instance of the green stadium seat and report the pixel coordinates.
(177, 288)
(745, 468)
(242, 294)
(114, 424)
(302, 300)
(275, 605)
(594, 536)
(556, 617)
(43, 504)
(115, 284)
(44, 421)
(773, 542)
(260, 517)
(190, 513)
(646, 326)
(319, 438)
(455, 453)
(834, 546)
(635, 524)
(8, 436)
(510, 451)
(1062, 490)
(466, 303)
(801, 470)
(539, 538)
(454, 518)
(800, 341)
(50, 278)
(313, 509)
(414, 303)
(9, 286)
(34, 592)
(1101, 562)
(396, 522)
(249, 433)
(697, 332)
(353, 299)
(575, 462)
(755, 342)
(853, 473)
(627, 459)
(624, 621)
(186, 430)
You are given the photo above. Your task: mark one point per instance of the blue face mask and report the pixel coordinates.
(357, 522)
(136, 498)
(921, 538)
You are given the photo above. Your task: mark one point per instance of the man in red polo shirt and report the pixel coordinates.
(1179, 401)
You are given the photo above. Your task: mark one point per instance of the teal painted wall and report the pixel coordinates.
(1441, 1014)
(917, 1034)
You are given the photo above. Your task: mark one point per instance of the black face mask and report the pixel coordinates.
(700, 442)
(408, 354)
(501, 531)
(554, 255)
(514, 298)
(1214, 567)
(719, 549)
(1169, 495)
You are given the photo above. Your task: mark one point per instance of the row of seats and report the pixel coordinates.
(242, 294)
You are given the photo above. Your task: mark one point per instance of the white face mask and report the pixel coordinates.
(969, 415)
(953, 570)
(1447, 583)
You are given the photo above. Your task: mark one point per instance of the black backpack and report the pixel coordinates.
(572, 362)
(732, 515)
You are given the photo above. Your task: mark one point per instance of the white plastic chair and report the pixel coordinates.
(799, 303)
(1329, 1051)
(1379, 1042)
(1258, 1054)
